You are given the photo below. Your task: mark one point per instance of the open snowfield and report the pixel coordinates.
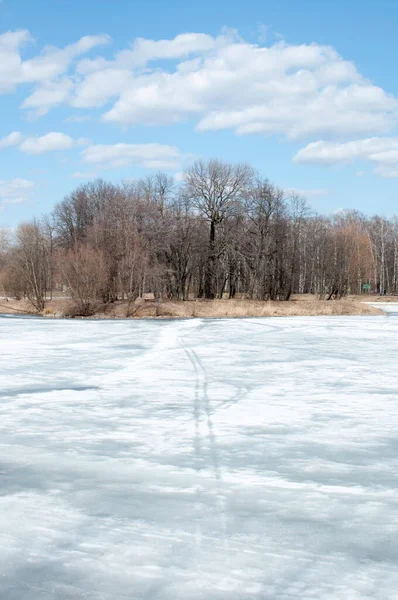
(220, 459)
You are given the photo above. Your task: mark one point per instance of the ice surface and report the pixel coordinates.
(201, 459)
(387, 307)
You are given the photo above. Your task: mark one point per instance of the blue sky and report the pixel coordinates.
(305, 91)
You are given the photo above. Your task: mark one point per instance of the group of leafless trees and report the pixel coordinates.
(223, 230)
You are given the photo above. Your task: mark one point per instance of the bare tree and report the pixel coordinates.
(265, 209)
(182, 247)
(5, 248)
(84, 271)
(77, 212)
(30, 258)
(298, 209)
(222, 231)
(216, 190)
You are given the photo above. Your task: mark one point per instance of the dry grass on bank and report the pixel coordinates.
(298, 306)
(253, 308)
(15, 307)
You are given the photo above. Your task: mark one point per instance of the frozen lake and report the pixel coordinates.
(229, 459)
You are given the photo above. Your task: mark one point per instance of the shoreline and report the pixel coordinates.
(211, 309)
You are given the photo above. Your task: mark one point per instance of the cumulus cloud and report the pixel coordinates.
(219, 82)
(42, 144)
(55, 61)
(106, 79)
(97, 88)
(297, 91)
(12, 139)
(381, 151)
(156, 156)
(46, 143)
(48, 95)
(301, 92)
(10, 60)
(43, 68)
(144, 51)
(15, 191)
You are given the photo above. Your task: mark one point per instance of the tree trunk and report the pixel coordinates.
(209, 275)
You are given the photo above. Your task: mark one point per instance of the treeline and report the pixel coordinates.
(222, 230)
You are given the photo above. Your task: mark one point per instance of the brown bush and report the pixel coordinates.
(85, 272)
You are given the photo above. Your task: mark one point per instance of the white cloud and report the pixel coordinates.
(12, 139)
(184, 44)
(10, 61)
(154, 100)
(43, 68)
(298, 91)
(156, 156)
(48, 95)
(97, 88)
(46, 143)
(382, 152)
(104, 79)
(15, 191)
(53, 61)
(145, 51)
(305, 91)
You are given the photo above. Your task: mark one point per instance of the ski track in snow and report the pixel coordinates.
(236, 459)
(202, 402)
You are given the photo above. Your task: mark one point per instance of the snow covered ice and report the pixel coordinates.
(200, 459)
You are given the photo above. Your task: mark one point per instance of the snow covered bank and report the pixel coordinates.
(199, 459)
